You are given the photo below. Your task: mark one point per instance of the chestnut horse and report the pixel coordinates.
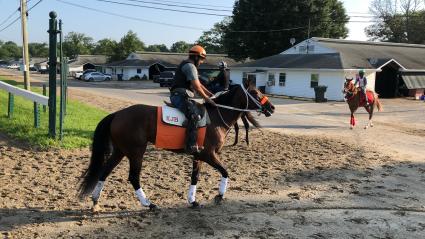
(128, 131)
(353, 98)
(246, 119)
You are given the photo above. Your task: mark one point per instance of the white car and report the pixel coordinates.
(96, 76)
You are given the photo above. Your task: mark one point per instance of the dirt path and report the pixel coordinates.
(282, 186)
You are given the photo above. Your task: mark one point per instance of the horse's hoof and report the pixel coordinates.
(196, 205)
(154, 207)
(218, 200)
(351, 127)
(371, 125)
(365, 127)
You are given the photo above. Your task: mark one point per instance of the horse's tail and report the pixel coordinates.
(100, 151)
(252, 120)
(378, 103)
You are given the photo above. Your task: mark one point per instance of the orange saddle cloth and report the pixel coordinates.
(173, 137)
(369, 98)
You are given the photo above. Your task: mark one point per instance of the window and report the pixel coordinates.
(314, 80)
(282, 79)
(271, 81)
(139, 70)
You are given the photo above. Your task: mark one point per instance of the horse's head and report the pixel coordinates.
(348, 86)
(256, 100)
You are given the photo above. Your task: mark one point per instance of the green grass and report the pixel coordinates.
(79, 123)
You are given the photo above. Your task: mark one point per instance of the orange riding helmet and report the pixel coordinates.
(198, 50)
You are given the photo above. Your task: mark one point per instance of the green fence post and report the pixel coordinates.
(10, 105)
(36, 115)
(53, 31)
(45, 94)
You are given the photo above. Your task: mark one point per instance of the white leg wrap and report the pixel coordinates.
(142, 197)
(192, 194)
(223, 186)
(98, 190)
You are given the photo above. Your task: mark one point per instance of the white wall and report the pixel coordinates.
(298, 82)
(131, 72)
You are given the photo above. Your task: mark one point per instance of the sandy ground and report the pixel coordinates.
(285, 185)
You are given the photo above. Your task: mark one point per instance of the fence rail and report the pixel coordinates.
(41, 99)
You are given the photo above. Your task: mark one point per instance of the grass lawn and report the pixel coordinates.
(79, 123)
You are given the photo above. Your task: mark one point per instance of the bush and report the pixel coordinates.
(134, 78)
(145, 77)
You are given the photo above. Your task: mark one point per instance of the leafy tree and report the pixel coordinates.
(212, 40)
(180, 47)
(262, 28)
(129, 43)
(399, 21)
(10, 50)
(157, 48)
(105, 47)
(77, 44)
(38, 49)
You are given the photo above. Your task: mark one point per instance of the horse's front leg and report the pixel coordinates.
(212, 159)
(369, 110)
(352, 121)
(191, 196)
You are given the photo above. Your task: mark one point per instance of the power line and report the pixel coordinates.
(131, 18)
(19, 17)
(205, 5)
(10, 16)
(185, 6)
(164, 9)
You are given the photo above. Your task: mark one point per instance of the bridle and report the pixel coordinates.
(260, 105)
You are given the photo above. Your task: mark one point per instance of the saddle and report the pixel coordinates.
(170, 128)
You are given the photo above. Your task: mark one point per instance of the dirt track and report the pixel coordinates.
(283, 186)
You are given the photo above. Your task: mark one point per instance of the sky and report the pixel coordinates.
(99, 25)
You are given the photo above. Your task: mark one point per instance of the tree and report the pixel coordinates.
(38, 49)
(129, 43)
(10, 50)
(157, 48)
(398, 21)
(263, 28)
(180, 47)
(212, 40)
(77, 44)
(105, 47)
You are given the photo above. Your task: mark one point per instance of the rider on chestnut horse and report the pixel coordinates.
(362, 81)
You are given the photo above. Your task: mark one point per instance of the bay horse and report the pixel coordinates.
(354, 100)
(128, 131)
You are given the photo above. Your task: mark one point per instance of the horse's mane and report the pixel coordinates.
(227, 96)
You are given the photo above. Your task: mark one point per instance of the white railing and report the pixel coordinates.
(41, 99)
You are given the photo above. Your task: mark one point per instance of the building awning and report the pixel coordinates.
(414, 81)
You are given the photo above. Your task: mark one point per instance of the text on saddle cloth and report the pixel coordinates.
(173, 116)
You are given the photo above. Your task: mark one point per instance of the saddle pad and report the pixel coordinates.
(173, 137)
(173, 116)
(370, 96)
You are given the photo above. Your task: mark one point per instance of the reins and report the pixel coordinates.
(248, 96)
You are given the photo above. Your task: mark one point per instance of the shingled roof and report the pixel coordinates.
(348, 55)
(92, 59)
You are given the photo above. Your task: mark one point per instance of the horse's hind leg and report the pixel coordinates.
(246, 125)
(191, 196)
(370, 111)
(134, 177)
(110, 164)
(236, 134)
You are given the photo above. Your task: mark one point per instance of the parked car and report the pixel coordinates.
(166, 78)
(96, 76)
(78, 74)
(85, 72)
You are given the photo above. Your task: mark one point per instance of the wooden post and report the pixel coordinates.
(53, 31)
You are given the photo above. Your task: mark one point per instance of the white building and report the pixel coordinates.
(391, 69)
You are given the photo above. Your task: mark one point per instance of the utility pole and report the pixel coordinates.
(25, 57)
